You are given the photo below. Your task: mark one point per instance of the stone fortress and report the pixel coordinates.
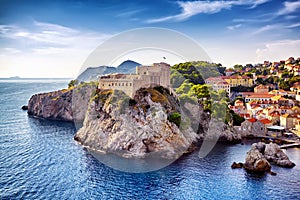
(146, 76)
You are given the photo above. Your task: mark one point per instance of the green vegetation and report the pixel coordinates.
(237, 120)
(175, 118)
(101, 96)
(72, 83)
(195, 72)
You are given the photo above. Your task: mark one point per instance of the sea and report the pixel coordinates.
(39, 159)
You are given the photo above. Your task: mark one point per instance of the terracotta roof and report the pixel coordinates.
(245, 115)
(274, 114)
(252, 120)
(235, 77)
(260, 95)
(214, 79)
(265, 121)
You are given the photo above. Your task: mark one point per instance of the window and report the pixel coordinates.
(126, 84)
(130, 84)
(145, 72)
(112, 84)
(122, 84)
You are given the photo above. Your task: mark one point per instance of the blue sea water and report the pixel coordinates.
(40, 160)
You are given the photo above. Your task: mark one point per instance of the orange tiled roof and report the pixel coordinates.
(262, 95)
(252, 120)
(265, 121)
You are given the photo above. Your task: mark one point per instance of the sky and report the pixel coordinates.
(54, 38)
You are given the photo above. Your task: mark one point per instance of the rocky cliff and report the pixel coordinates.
(55, 105)
(134, 128)
(65, 105)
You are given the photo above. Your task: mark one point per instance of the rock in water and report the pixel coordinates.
(260, 154)
(24, 107)
(132, 128)
(256, 162)
(273, 153)
(237, 165)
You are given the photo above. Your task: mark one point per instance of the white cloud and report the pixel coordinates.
(294, 25)
(58, 50)
(267, 28)
(278, 50)
(191, 8)
(258, 2)
(234, 27)
(289, 7)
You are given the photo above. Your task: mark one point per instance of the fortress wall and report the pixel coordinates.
(125, 85)
(158, 74)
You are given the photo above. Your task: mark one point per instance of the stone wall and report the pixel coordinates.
(158, 74)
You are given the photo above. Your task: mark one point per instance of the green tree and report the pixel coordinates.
(184, 88)
(72, 83)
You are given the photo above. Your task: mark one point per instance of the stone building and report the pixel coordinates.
(218, 83)
(287, 121)
(157, 74)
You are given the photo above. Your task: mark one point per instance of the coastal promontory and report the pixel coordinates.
(151, 122)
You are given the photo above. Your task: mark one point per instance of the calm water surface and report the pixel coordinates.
(40, 160)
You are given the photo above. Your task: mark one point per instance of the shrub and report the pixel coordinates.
(175, 118)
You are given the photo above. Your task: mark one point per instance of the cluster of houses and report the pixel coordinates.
(267, 110)
(226, 82)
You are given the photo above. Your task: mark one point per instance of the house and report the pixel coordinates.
(247, 126)
(235, 81)
(261, 89)
(255, 127)
(238, 102)
(274, 117)
(266, 123)
(229, 72)
(287, 121)
(218, 83)
(261, 96)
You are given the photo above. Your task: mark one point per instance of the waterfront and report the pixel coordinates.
(40, 160)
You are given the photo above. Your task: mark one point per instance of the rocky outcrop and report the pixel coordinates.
(260, 155)
(218, 130)
(136, 128)
(274, 154)
(255, 161)
(55, 105)
(24, 107)
(65, 105)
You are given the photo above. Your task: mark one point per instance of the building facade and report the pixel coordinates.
(157, 74)
(218, 83)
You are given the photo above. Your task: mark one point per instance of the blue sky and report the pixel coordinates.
(53, 38)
